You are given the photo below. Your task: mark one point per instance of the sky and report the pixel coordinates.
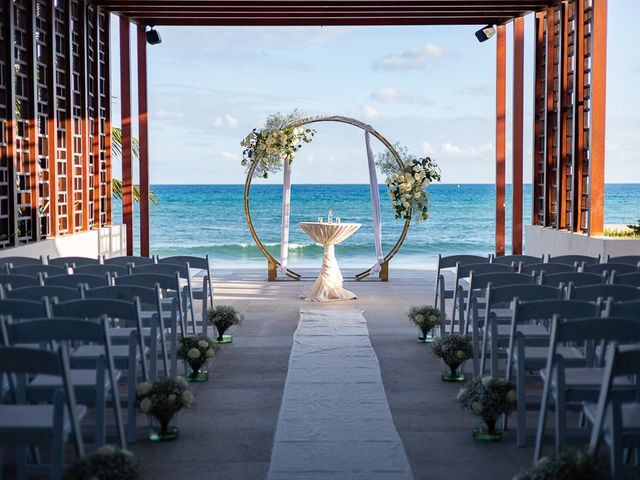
(431, 89)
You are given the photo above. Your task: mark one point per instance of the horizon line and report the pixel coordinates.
(304, 183)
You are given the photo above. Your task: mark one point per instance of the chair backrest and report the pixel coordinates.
(73, 281)
(451, 261)
(103, 269)
(547, 268)
(577, 278)
(517, 259)
(632, 279)
(610, 267)
(612, 329)
(62, 294)
(165, 282)
(629, 309)
(200, 263)
(525, 293)
(148, 296)
(29, 362)
(525, 312)
(24, 309)
(592, 293)
(498, 279)
(90, 308)
(73, 261)
(573, 259)
(163, 269)
(39, 268)
(129, 260)
(631, 259)
(464, 271)
(18, 281)
(56, 329)
(20, 261)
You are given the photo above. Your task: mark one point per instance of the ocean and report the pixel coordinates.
(209, 219)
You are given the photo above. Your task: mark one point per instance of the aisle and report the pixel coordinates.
(335, 421)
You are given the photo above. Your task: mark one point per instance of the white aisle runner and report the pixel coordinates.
(335, 421)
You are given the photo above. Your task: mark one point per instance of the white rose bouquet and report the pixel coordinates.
(196, 350)
(425, 317)
(488, 398)
(223, 317)
(277, 142)
(163, 398)
(453, 350)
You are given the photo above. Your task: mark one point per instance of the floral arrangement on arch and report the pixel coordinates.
(106, 463)
(277, 142)
(406, 185)
(488, 398)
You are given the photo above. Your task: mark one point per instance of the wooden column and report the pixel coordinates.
(578, 117)
(10, 128)
(518, 134)
(84, 106)
(598, 116)
(501, 93)
(107, 94)
(125, 106)
(143, 141)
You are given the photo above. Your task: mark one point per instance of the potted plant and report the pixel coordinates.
(453, 350)
(196, 350)
(223, 317)
(106, 463)
(426, 318)
(568, 463)
(488, 398)
(161, 400)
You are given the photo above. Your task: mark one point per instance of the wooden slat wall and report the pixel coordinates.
(45, 122)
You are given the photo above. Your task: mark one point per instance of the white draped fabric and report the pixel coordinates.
(286, 213)
(375, 211)
(375, 206)
(328, 285)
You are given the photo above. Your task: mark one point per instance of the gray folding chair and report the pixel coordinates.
(39, 268)
(52, 425)
(527, 355)
(631, 259)
(569, 386)
(630, 309)
(62, 294)
(496, 331)
(19, 281)
(16, 261)
(608, 268)
(92, 383)
(547, 268)
(594, 293)
(195, 263)
(615, 421)
(73, 261)
(574, 259)
(632, 279)
(578, 279)
(79, 279)
(111, 269)
(127, 260)
(445, 264)
(517, 259)
(24, 309)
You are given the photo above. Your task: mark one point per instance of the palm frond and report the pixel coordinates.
(116, 184)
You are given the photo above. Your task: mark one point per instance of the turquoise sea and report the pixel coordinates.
(209, 219)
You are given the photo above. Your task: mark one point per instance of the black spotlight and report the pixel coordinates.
(484, 34)
(153, 37)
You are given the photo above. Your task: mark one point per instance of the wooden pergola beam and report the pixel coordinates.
(518, 135)
(143, 141)
(127, 153)
(501, 97)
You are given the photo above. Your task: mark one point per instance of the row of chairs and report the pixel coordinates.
(557, 328)
(105, 336)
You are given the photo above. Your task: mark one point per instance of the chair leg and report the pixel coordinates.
(561, 421)
(100, 400)
(21, 463)
(542, 418)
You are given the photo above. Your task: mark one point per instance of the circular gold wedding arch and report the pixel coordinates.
(272, 263)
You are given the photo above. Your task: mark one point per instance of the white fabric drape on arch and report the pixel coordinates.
(375, 211)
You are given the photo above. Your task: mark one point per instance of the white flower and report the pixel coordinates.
(426, 182)
(271, 150)
(433, 318)
(203, 344)
(487, 381)
(395, 203)
(182, 382)
(417, 195)
(460, 354)
(406, 204)
(417, 176)
(419, 318)
(172, 398)
(512, 396)
(144, 388)
(210, 353)
(416, 168)
(477, 408)
(145, 405)
(193, 353)
(462, 393)
(186, 398)
(106, 450)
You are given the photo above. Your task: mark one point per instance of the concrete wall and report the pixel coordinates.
(541, 240)
(107, 241)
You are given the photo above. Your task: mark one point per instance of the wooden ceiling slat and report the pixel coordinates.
(297, 22)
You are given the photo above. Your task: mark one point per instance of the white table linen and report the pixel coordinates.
(328, 285)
